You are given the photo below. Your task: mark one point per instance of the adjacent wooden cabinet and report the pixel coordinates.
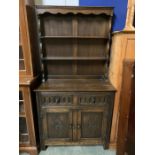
(123, 48)
(28, 40)
(75, 99)
(126, 126)
(27, 123)
(29, 69)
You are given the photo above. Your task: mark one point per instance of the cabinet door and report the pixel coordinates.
(57, 125)
(24, 47)
(91, 125)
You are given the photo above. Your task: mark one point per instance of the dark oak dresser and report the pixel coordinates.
(75, 99)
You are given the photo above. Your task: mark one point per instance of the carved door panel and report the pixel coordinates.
(91, 125)
(57, 125)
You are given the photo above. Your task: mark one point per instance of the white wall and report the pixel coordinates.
(58, 2)
(72, 2)
(53, 2)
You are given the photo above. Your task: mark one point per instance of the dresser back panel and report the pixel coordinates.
(98, 25)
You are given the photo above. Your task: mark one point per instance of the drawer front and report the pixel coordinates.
(94, 99)
(49, 99)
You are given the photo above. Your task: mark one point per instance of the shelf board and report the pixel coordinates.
(74, 37)
(24, 134)
(22, 114)
(23, 143)
(74, 58)
(21, 59)
(21, 136)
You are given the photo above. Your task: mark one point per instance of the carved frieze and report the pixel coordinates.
(95, 100)
(57, 100)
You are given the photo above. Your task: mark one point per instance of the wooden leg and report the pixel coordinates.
(43, 147)
(106, 145)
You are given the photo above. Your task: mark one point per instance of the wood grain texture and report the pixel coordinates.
(28, 76)
(28, 127)
(74, 36)
(77, 85)
(29, 64)
(130, 16)
(85, 124)
(42, 9)
(126, 127)
(123, 48)
(29, 150)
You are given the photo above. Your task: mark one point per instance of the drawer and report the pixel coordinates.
(68, 99)
(49, 99)
(94, 99)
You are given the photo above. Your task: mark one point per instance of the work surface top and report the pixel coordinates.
(75, 85)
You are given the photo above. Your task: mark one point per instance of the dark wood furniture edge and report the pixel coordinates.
(124, 32)
(42, 9)
(111, 87)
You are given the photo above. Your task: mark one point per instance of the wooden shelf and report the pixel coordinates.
(74, 58)
(24, 134)
(21, 59)
(74, 37)
(22, 114)
(24, 138)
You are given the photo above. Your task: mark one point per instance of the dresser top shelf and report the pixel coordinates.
(42, 9)
(75, 85)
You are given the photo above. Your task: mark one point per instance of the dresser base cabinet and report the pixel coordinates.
(74, 118)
